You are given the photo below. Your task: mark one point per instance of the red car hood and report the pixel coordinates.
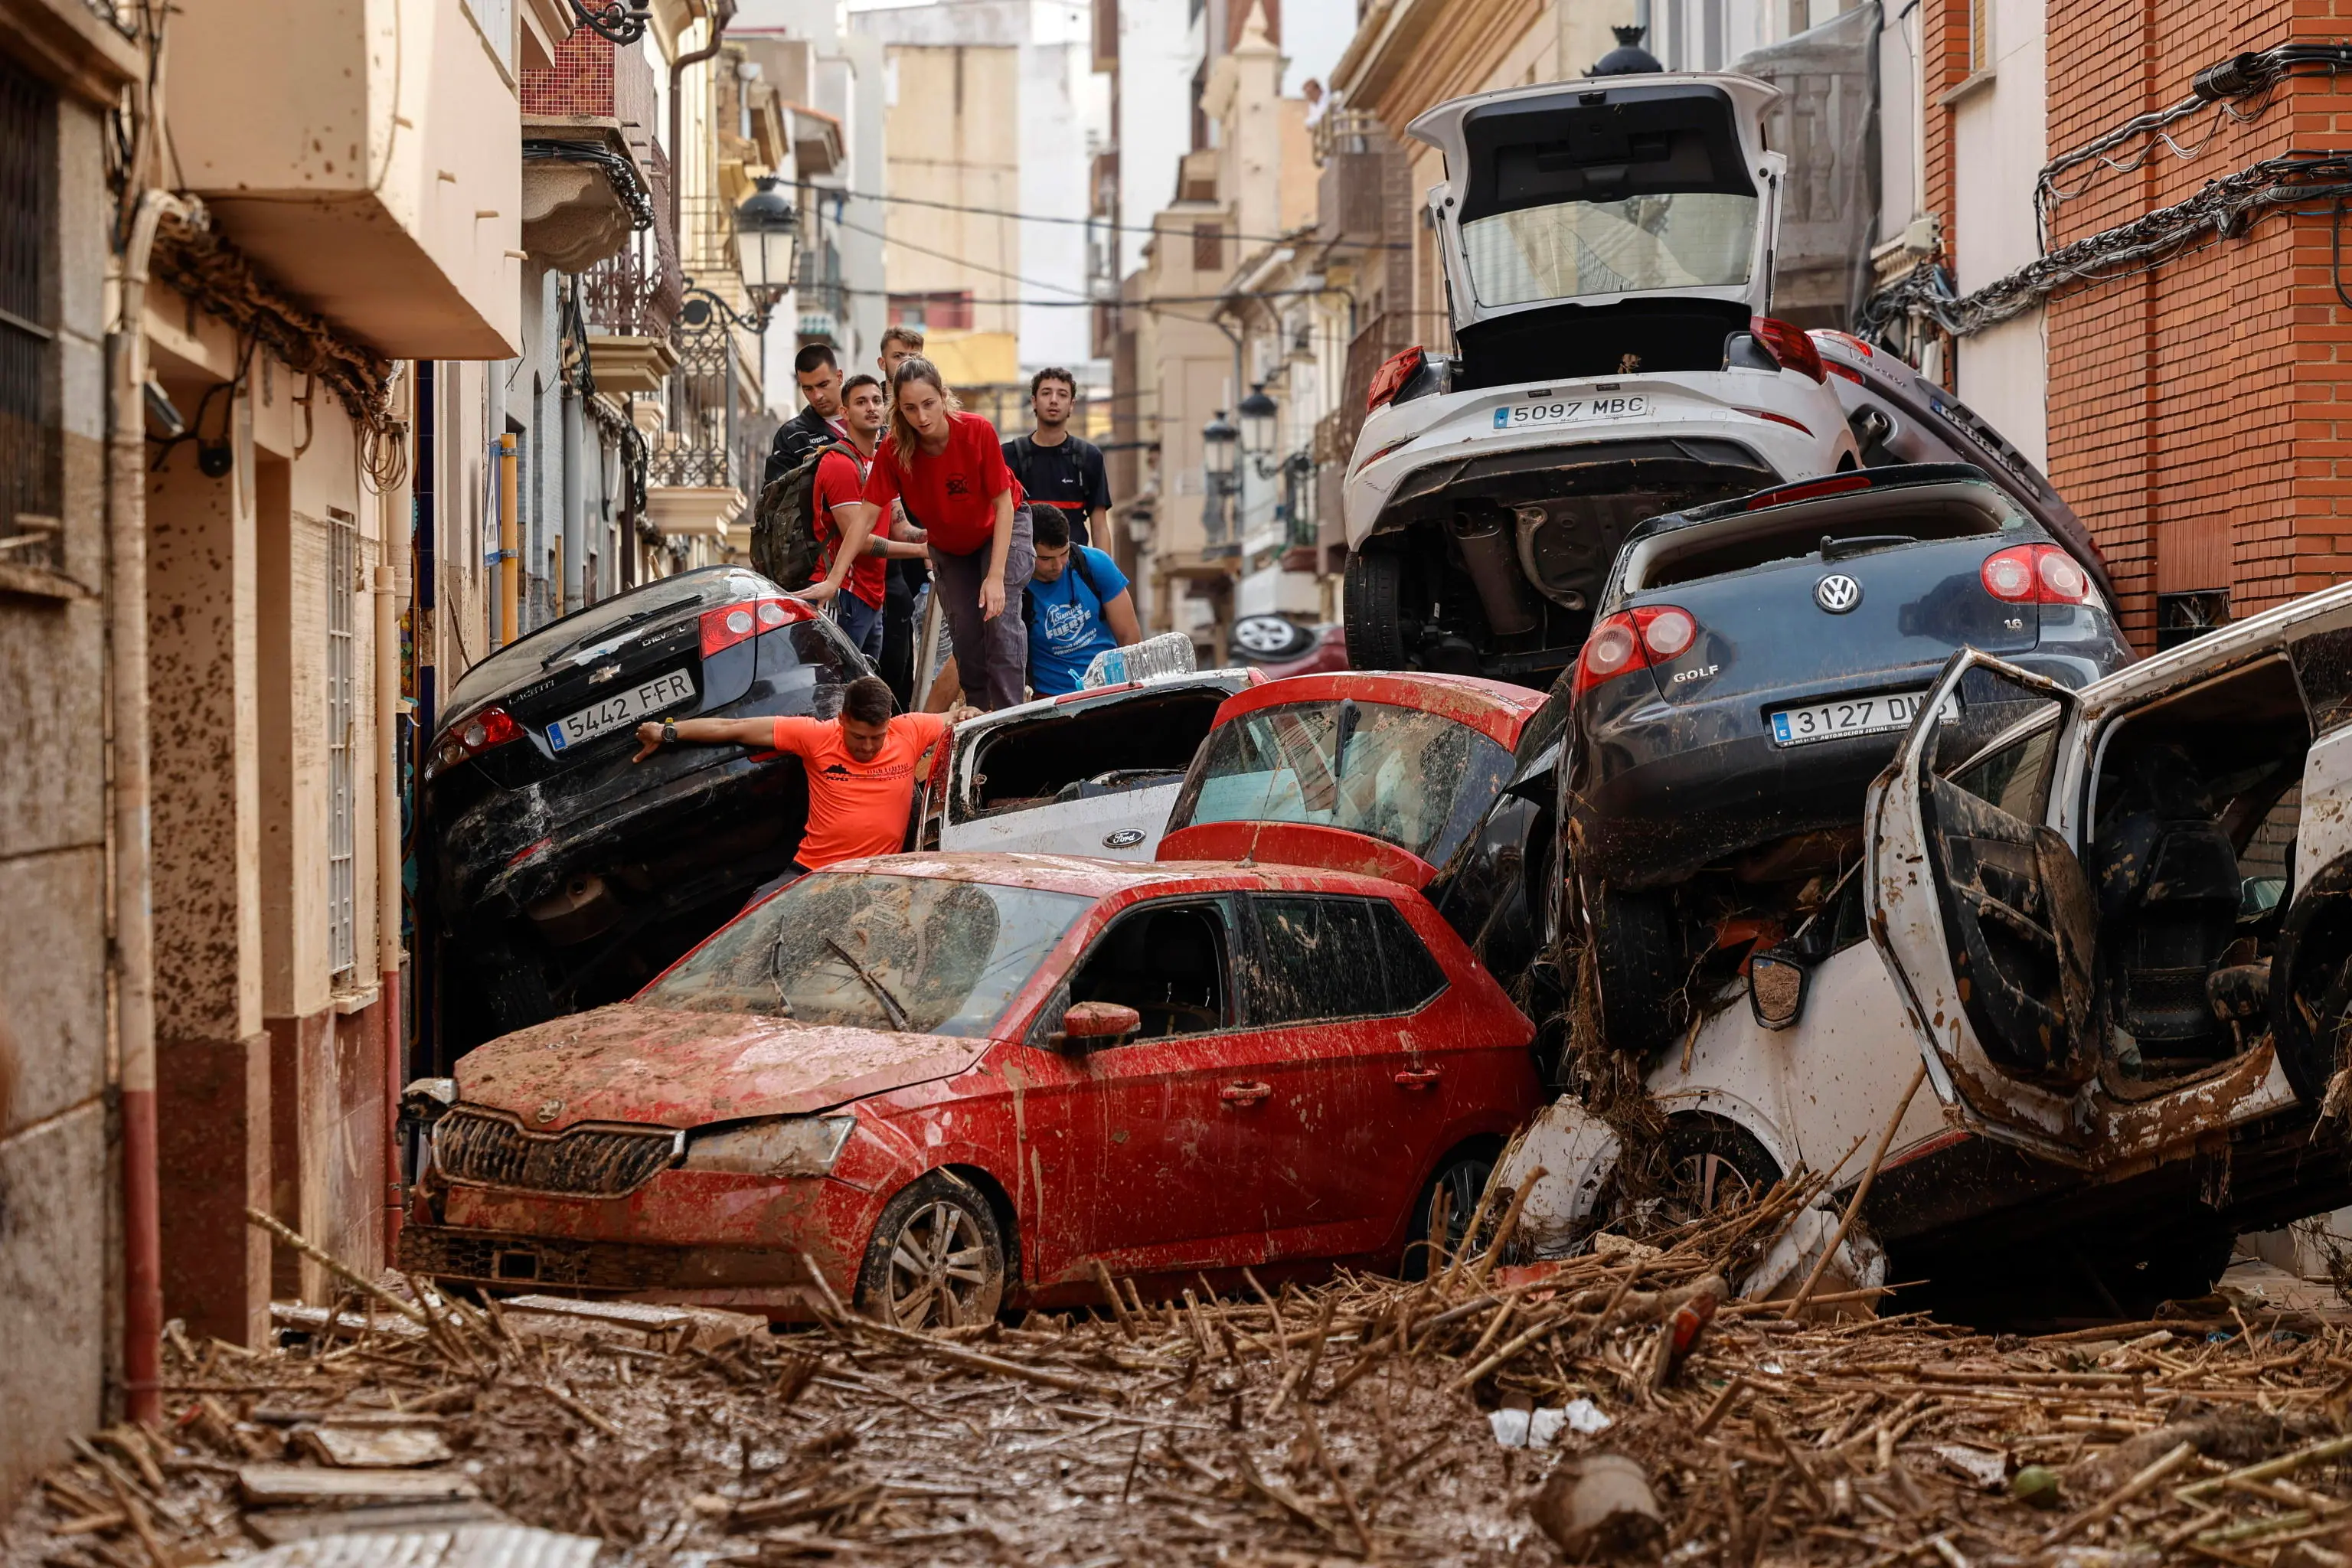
(627, 1063)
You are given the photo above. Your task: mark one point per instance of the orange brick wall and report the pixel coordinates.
(581, 84)
(2193, 410)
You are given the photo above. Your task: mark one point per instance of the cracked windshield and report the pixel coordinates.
(1675, 239)
(1392, 772)
(917, 955)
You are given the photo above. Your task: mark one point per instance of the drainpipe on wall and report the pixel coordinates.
(134, 884)
(510, 543)
(391, 532)
(719, 17)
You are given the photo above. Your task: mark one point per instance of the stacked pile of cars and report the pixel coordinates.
(1723, 683)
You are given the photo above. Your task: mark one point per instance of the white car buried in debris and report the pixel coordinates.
(1091, 772)
(2115, 924)
(1607, 250)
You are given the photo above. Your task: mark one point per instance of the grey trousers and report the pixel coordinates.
(992, 656)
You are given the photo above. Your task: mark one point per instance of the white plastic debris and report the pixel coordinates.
(1541, 1428)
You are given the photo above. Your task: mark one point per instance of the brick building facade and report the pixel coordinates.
(2192, 407)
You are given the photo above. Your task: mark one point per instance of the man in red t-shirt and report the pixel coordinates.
(861, 767)
(949, 467)
(854, 574)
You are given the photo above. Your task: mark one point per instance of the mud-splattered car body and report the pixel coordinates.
(1088, 772)
(559, 873)
(1272, 1111)
(2114, 925)
(1445, 782)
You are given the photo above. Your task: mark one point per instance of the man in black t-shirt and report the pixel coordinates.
(817, 370)
(1057, 468)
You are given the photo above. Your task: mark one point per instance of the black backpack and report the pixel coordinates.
(784, 545)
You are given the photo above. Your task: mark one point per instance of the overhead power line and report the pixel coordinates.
(1180, 231)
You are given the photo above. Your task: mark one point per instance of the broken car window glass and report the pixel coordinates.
(1675, 239)
(1413, 779)
(853, 949)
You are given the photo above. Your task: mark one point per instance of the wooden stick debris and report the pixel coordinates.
(1861, 1190)
(335, 1266)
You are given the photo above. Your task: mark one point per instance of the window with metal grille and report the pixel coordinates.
(30, 529)
(343, 893)
(1208, 247)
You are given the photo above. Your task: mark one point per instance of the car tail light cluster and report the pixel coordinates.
(1836, 485)
(1789, 346)
(490, 728)
(730, 624)
(1846, 341)
(1634, 639)
(1390, 379)
(2037, 574)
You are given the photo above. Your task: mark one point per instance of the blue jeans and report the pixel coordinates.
(861, 622)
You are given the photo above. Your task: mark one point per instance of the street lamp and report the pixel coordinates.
(768, 238)
(612, 20)
(1258, 413)
(1220, 448)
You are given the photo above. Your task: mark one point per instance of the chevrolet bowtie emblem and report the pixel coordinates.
(599, 675)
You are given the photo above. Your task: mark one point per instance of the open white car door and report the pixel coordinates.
(1981, 911)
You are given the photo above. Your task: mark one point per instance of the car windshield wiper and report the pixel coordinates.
(635, 618)
(1835, 549)
(897, 1014)
(775, 961)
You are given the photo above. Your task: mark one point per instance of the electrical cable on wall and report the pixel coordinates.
(2299, 183)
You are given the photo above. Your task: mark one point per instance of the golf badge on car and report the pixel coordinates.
(1837, 592)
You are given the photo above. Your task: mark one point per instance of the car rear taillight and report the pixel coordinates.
(2036, 573)
(1837, 485)
(1634, 639)
(1789, 346)
(492, 728)
(1390, 379)
(730, 624)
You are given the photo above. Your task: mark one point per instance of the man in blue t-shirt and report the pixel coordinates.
(1078, 607)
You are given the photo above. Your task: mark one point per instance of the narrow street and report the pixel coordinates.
(1088, 782)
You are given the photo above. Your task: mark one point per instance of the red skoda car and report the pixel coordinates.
(955, 1083)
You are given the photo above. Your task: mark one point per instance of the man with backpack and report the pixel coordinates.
(1079, 605)
(1055, 468)
(856, 562)
(817, 371)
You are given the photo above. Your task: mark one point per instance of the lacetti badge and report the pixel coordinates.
(1837, 592)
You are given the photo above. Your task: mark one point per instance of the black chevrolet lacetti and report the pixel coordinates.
(1751, 665)
(557, 873)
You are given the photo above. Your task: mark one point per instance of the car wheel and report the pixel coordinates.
(1713, 1164)
(937, 1259)
(1271, 638)
(1639, 966)
(1373, 602)
(1455, 1191)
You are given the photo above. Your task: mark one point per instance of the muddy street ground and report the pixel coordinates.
(1369, 1420)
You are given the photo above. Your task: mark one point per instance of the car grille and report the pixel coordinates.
(485, 1146)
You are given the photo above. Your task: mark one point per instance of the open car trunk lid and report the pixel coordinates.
(1650, 198)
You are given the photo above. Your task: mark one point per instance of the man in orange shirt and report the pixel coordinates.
(861, 769)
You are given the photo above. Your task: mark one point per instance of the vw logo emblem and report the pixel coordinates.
(1837, 592)
(1124, 838)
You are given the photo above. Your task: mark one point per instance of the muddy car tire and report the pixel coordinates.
(1461, 1177)
(1714, 1163)
(937, 1259)
(1374, 594)
(1637, 951)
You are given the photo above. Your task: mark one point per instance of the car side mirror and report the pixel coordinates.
(1088, 1023)
(1776, 988)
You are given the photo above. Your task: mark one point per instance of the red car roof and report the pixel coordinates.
(1101, 878)
(1495, 709)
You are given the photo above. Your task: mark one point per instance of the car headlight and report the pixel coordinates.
(780, 1146)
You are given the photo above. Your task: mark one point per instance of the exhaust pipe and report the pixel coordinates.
(1494, 571)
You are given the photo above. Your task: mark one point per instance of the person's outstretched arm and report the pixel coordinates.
(761, 732)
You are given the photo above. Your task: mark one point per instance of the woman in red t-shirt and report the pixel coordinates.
(949, 467)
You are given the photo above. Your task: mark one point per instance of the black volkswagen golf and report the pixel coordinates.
(1751, 666)
(562, 875)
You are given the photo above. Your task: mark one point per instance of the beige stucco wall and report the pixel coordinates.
(951, 133)
(364, 151)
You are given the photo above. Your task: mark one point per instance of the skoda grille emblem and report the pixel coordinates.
(1124, 838)
(1837, 592)
(548, 1109)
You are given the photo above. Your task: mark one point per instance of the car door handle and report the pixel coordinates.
(1418, 1078)
(1244, 1093)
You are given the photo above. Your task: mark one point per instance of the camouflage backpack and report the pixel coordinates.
(784, 545)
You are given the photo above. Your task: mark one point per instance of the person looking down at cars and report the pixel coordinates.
(852, 580)
(950, 468)
(861, 769)
(1078, 607)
